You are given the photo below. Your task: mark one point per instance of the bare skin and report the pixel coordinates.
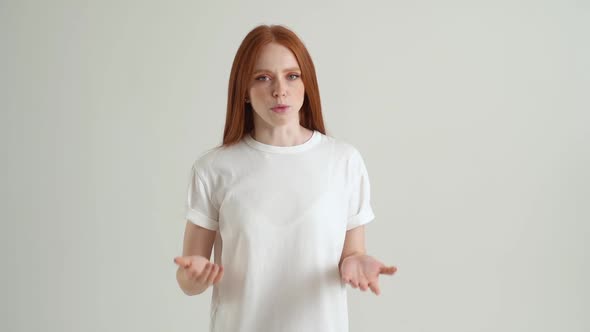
(356, 267)
(362, 271)
(198, 272)
(195, 272)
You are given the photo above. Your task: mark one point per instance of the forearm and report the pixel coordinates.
(354, 244)
(189, 287)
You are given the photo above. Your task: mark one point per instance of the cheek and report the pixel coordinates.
(300, 89)
(256, 92)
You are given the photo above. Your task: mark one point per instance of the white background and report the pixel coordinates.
(472, 118)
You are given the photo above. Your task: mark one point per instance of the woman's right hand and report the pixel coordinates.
(199, 270)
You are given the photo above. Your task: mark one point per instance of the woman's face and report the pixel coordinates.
(276, 81)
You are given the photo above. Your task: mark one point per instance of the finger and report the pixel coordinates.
(388, 270)
(182, 262)
(375, 287)
(202, 278)
(213, 274)
(346, 278)
(219, 275)
(363, 285)
(354, 283)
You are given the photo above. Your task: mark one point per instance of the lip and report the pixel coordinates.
(280, 108)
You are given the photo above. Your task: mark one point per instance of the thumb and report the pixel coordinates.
(388, 270)
(182, 261)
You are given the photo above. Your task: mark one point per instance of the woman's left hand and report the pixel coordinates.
(363, 271)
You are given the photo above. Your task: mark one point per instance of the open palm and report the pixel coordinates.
(363, 271)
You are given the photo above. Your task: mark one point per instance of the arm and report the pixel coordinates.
(198, 241)
(354, 243)
(356, 267)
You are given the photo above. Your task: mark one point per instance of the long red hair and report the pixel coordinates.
(239, 120)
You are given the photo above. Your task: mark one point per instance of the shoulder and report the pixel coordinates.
(345, 149)
(206, 158)
(349, 157)
(208, 161)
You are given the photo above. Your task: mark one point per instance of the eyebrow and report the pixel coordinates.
(285, 70)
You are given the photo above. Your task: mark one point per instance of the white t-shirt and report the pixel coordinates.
(281, 214)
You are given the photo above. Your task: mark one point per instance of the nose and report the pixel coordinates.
(279, 88)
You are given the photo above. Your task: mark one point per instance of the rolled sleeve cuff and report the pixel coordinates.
(362, 218)
(201, 219)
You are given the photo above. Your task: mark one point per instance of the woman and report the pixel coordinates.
(283, 203)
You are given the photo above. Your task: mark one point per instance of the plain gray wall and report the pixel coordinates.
(472, 118)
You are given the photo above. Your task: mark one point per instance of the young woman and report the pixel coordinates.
(283, 204)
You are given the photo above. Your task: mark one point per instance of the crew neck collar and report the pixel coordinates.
(315, 138)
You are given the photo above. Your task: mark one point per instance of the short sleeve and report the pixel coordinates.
(360, 211)
(199, 207)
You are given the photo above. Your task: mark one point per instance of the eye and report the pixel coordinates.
(261, 78)
(296, 76)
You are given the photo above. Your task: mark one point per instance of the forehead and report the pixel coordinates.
(275, 56)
